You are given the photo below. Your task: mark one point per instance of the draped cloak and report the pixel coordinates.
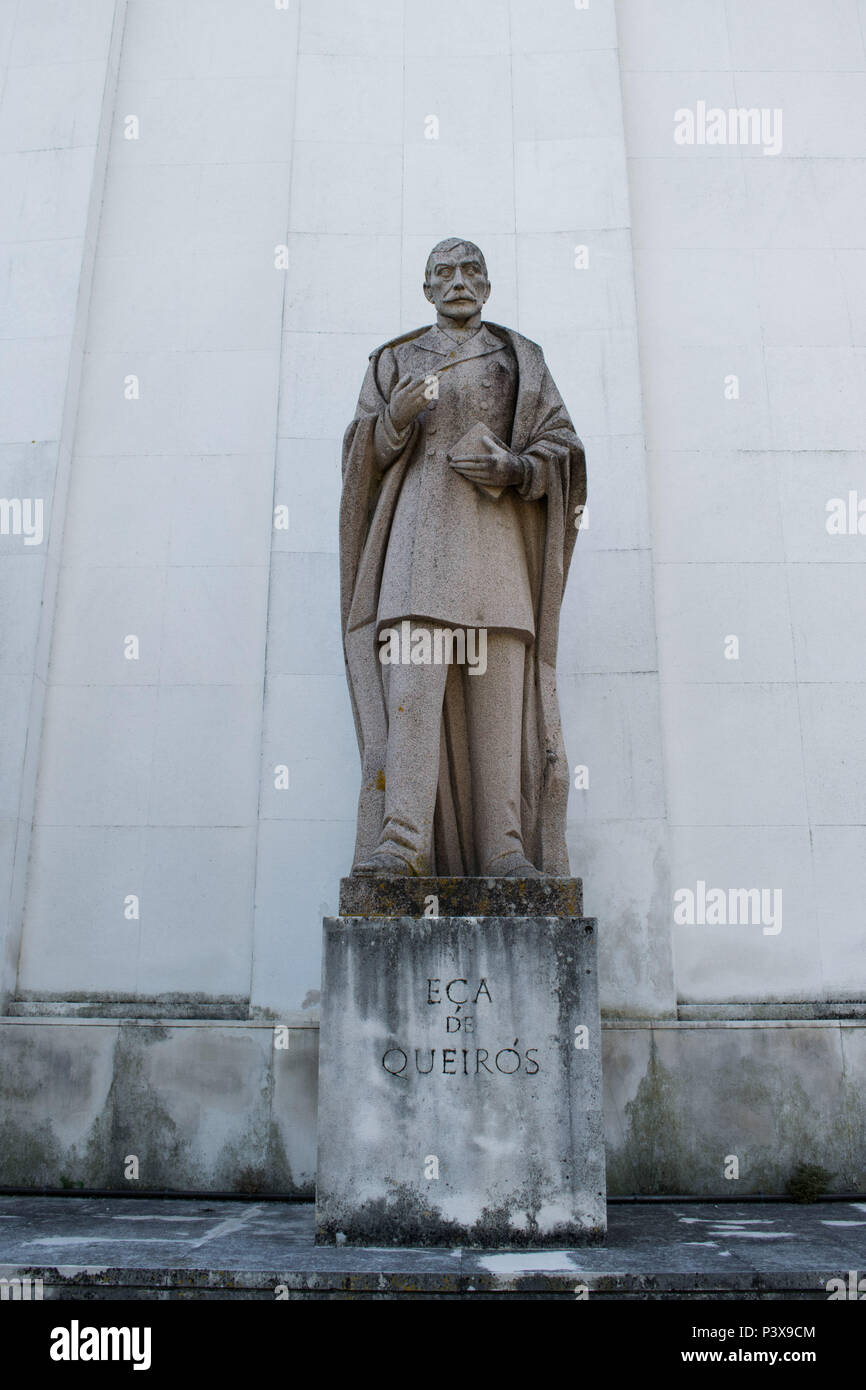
(543, 431)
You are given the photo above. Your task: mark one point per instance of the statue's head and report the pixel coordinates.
(455, 279)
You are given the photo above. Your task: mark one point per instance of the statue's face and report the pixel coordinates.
(458, 285)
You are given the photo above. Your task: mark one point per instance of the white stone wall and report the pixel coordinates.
(307, 127)
(754, 265)
(58, 65)
(148, 781)
(259, 127)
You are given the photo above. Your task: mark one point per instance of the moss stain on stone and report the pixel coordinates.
(652, 1158)
(134, 1122)
(31, 1156)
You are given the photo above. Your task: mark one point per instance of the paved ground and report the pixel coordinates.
(103, 1248)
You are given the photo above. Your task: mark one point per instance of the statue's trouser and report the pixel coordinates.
(494, 713)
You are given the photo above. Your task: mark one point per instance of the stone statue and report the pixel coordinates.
(463, 486)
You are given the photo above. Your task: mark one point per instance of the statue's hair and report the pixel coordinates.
(449, 245)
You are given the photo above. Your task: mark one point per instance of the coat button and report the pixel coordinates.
(432, 427)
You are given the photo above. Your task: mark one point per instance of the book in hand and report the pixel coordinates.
(471, 445)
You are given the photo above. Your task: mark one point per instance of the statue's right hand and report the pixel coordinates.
(407, 401)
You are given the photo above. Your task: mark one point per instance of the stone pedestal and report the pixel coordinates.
(460, 1066)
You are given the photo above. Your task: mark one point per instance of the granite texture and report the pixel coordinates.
(457, 1104)
(461, 897)
(463, 486)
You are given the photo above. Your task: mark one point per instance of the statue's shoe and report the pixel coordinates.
(382, 865)
(512, 866)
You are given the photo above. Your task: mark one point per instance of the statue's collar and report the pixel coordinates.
(434, 340)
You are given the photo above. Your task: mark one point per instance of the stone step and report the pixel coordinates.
(167, 1007)
(152, 1248)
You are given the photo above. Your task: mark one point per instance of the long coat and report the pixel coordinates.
(456, 555)
(541, 430)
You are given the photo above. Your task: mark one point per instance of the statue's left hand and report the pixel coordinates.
(498, 468)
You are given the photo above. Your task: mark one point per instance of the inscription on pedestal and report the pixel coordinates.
(475, 1062)
(460, 1083)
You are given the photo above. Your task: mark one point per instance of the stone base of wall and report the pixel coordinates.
(221, 1106)
(683, 1098)
(210, 1106)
